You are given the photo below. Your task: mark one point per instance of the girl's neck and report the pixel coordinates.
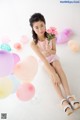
(41, 38)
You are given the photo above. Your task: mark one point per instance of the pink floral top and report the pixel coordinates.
(44, 45)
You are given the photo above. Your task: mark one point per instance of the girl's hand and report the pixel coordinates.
(56, 79)
(48, 52)
(51, 52)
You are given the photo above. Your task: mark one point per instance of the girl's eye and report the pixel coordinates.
(36, 27)
(41, 25)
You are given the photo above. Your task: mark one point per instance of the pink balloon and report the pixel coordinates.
(16, 58)
(24, 39)
(6, 63)
(25, 91)
(26, 70)
(18, 46)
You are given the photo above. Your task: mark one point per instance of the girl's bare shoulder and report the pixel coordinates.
(33, 45)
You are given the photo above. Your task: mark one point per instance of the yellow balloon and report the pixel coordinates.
(6, 87)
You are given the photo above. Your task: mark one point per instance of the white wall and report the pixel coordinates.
(15, 14)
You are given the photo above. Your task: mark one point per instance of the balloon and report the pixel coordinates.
(25, 91)
(64, 36)
(16, 58)
(24, 39)
(5, 46)
(26, 70)
(6, 87)
(68, 32)
(74, 45)
(18, 46)
(15, 82)
(6, 63)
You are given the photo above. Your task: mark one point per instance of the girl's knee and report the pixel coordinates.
(57, 65)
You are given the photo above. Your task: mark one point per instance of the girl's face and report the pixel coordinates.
(39, 28)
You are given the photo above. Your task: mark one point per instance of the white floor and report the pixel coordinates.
(45, 105)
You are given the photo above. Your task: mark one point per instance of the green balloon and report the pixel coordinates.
(5, 46)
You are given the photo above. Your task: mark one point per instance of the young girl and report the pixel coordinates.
(47, 53)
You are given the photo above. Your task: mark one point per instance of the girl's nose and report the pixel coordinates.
(40, 29)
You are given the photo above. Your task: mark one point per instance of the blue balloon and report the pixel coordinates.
(15, 81)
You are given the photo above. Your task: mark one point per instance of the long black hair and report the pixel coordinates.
(35, 18)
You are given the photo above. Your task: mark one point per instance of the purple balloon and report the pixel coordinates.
(6, 63)
(16, 58)
(62, 38)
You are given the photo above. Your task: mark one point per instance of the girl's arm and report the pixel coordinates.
(53, 50)
(54, 45)
(42, 57)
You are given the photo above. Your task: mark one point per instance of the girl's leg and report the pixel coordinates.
(56, 86)
(57, 66)
(60, 72)
(58, 89)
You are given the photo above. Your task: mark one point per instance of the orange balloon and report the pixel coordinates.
(74, 46)
(26, 70)
(18, 46)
